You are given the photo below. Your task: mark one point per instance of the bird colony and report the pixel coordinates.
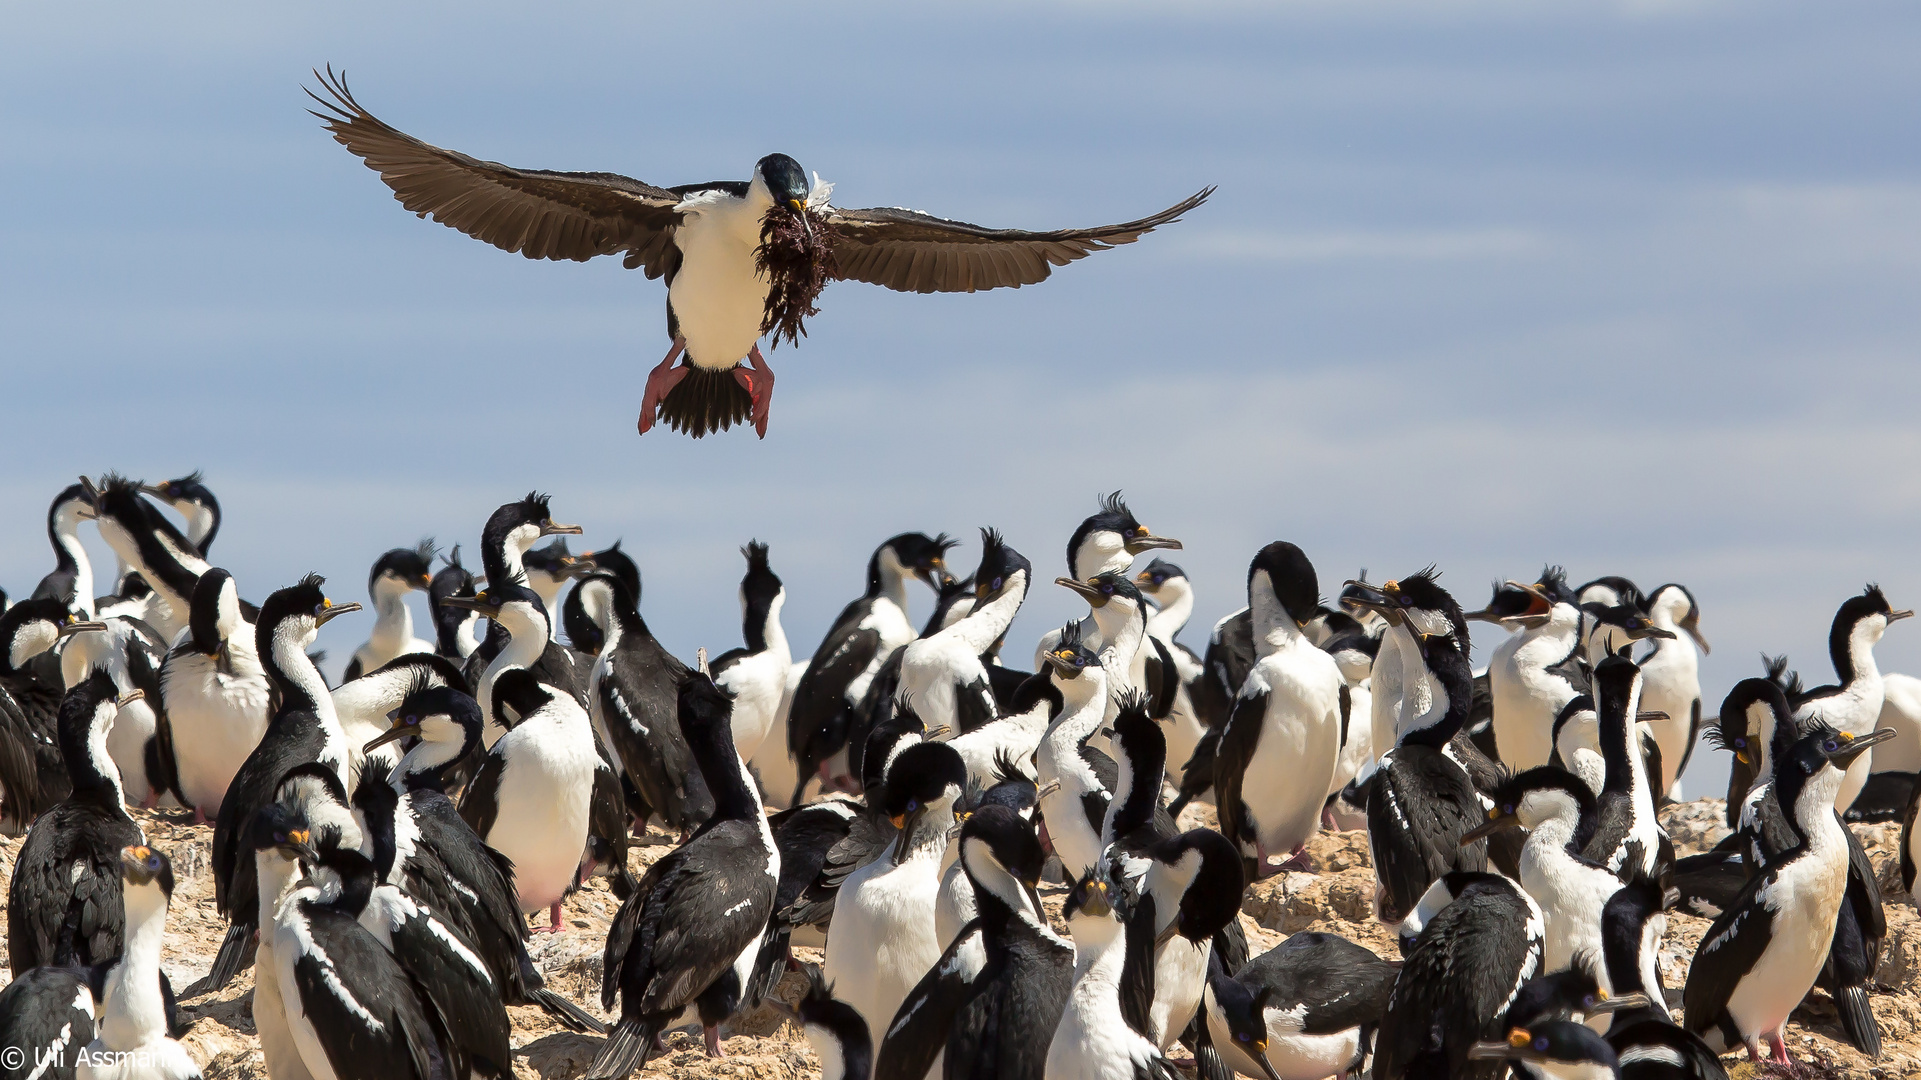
(897, 801)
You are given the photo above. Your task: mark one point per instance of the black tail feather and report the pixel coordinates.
(1857, 1019)
(626, 1050)
(706, 401)
(566, 1013)
(235, 956)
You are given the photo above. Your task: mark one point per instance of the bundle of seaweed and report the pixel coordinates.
(798, 259)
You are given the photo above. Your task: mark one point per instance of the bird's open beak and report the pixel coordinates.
(392, 734)
(72, 628)
(335, 611)
(158, 491)
(1496, 821)
(1372, 598)
(1092, 594)
(1147, 541)
(553, 528)
(130, 697)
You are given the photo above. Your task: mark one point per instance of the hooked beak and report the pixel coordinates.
(1062, 661)
(905, 823)
(1047, 789)
(392, 734)
(799, 207)
(1854, 746)
(1897, 616)
(552, 528)
(936, 733)
(72, 628)
(1097, 903)
(158, 491)
(1147, 541)
(1496, 821)
(130, 697)
(1092, 594)
(1651, 715)
(336, 611)
(300, 845)
(1692, 624)
(1635, 1000)
(484, 608)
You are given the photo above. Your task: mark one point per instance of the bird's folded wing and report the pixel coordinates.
(909, 251)
(538, 213)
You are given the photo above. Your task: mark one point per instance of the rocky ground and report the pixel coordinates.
(1337, 897)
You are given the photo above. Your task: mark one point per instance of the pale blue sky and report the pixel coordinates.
(1627, 286)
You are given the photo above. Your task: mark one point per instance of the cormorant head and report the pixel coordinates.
(1110, 538)
(1291, 578)
(1680, 606)
(1070, 656)
(1104, 588)
(785, 180)
(404, 568)
(1000, 566)
(1158, 573)
(1553, 1046)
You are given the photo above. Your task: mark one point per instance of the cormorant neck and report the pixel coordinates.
(83, 747)
(283, 655)
(987, 622)
(1138, 789)
(760, 623)
(393, 620)
(887, 577)
(735, 797)
(1851, 649)
(1177, 606)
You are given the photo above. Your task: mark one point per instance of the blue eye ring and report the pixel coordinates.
(1245, 1037)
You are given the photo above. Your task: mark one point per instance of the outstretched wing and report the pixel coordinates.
(909, 251)
(540, 214)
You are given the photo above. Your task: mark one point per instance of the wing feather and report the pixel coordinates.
(535, 212)
(909, 251)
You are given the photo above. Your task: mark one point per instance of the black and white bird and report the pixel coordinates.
(992, 1017)
(146, 541)
(884, 933)
(1572, 888)
(1168, 587)
(419, 842)
(216, 694)
(141, 740)
(1628, 838)
(71, 580)
(531, 799)
(549, 568)
(63, 898)
(825, 713)
(1535, 673)
(1853, 703)
(1761, 955)
(943, 675)
(304, 730)
(1550, 1050)
(1420, 801)
(1106, 541)
(516, 614)
(683, 946)
(1074, 793)
(134, 1037)
(510, 531)
(462, 1000)
(454, 634)
(190, 497)
(47, 1013)
(632, 693)
(394, 575)
(741, 258)
(1187, 885)
(1093, 1040)
(1303, 1010)
(1651, 1046)
(833, 1028)
(756, 674)
(1671, 680)
(1479, 942)
(32, 774)
(348, 1008)
(1286, 721)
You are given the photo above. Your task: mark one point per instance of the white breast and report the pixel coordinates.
(718, 296)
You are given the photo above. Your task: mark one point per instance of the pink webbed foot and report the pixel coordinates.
(1297, 860)
(660, 382)
(1778, 1043)
(713, 1042)
(758, 380)
(554, 925)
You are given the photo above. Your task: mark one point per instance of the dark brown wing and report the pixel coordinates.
(540, 214)
(913, 252)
